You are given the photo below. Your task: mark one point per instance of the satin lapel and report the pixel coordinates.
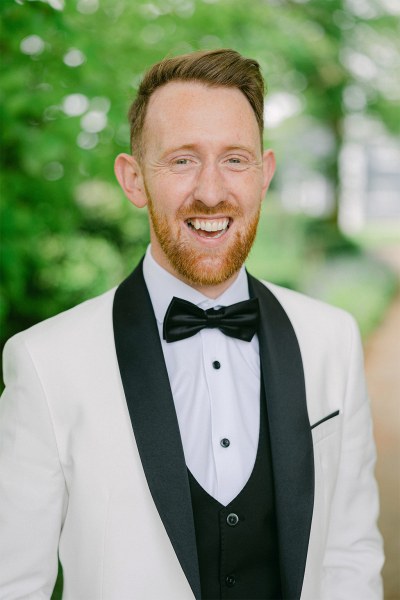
(151, 408)
(291, 440)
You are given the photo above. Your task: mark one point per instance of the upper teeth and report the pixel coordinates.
(217, 225)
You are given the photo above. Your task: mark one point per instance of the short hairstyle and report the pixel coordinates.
(222, 67)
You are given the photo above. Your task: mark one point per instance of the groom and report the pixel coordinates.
(194, 433)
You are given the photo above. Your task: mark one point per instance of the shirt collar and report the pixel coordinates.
(163, 286)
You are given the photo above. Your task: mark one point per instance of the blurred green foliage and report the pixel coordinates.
(306, 254)
(68, 75)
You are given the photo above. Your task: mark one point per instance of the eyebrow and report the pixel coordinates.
(233, 148)
(179, 148)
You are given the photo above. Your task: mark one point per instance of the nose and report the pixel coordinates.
(209, 187)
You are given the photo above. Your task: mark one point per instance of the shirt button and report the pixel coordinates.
(232, 519)
(216, 364)
(225, 442)
(230, 580)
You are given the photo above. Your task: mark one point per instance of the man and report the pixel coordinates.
(193, 433)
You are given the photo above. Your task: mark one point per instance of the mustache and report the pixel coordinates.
(198, 207)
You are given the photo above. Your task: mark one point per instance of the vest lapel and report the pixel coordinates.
(152, 412)
(291, 441)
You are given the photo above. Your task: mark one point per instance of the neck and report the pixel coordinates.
(211, 291)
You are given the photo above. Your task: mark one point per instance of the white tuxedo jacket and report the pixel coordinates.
(92, 466)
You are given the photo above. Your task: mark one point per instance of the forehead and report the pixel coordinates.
(184, 110)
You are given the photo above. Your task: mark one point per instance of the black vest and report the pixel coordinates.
(237, 544)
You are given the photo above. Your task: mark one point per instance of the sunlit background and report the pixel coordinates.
(331, 222)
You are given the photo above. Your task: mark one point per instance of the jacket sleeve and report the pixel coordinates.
(32, 487)
(354, 554)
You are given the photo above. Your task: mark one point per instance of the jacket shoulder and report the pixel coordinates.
(321, 329)
(68, 326)
(300, 306)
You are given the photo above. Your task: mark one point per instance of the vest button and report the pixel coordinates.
(225, 442)
(232, 519)
(230, 580)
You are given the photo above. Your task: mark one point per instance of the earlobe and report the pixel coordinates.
(130, 178)
(269, 164)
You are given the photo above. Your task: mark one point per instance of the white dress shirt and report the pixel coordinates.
(215, 383)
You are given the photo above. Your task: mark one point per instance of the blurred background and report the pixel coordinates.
(331, 222)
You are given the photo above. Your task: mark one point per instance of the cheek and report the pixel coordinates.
(249, 197)
(168, 194)
(248, 185)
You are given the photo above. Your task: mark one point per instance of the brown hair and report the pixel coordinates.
(223, 67)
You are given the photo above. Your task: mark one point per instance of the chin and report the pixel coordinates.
(202, 266)
(206, 270)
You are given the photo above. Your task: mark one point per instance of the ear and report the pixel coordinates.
(130, 178)
(269, 164)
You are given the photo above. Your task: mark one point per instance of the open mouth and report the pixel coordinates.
(209, 228)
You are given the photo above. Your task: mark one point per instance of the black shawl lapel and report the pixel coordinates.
(291, 441)
(154, 422)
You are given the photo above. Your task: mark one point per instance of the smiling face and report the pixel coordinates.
(203, 176)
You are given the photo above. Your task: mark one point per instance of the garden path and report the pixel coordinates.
(382, 354)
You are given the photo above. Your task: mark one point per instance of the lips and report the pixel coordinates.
(209, 228)
(209, 225)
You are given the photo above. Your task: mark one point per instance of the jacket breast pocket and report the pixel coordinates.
(327, 437)
(326, 426)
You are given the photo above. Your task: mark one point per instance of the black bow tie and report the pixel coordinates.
(184, 319)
